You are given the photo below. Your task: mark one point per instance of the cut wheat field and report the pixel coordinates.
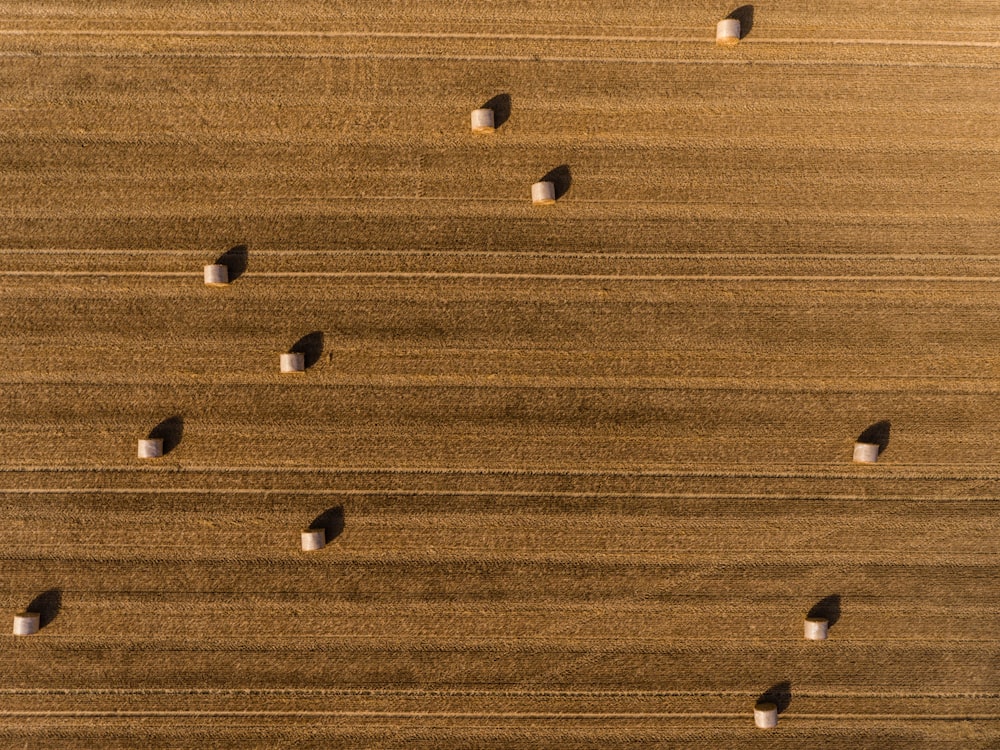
(585, 468)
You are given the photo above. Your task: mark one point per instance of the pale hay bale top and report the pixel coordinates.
(727, 32)
(483, 121)
(543, 193)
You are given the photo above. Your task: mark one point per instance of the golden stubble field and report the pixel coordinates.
(588, 466)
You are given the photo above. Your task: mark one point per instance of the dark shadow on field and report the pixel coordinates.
(331, 520)
(561, 178)
(743, 14)
(828, 608)
(780, 694)
(311, 345)
(170, 431)
(876, 434)
(235, 260)
(47, 605)
(500, 104)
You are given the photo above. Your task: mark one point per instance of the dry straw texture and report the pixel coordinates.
(593, 463)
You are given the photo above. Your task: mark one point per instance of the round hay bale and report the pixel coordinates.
(293, 362)
(543, 193)
(27, 623)
(482, 121)
(816, 628)
(217, 275)
(313, 539)
(150, 447)
(765, 715)
(727, 32)
(865, 453)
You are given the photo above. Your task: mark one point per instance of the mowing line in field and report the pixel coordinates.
(491, 58)
(299, 34)
(505, 716)
(460, 275)
(664, 209)
(470, 493)
(293, 34)
(637, 558)
(548, 254)
(379, 692)
(896, 472)
(556, 715)
(816, 497)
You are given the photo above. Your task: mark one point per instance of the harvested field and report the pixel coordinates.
(586, 467)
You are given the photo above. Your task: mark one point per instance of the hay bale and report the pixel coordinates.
(765, 715)
(865, 453)
(482, 121)
(313, 539)
(27, 623)
(727, 32)
(293, 362)
(543, 193)
(217, 275)
(150, 447)
(816, 628)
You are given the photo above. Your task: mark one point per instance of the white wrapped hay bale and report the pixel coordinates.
(727, 32)
(543, 193)
(150, 447)
(27, 623)
(816, 628)
(483, 121)
(216, 275)
(865, 453)
(313, 539)
(293, 362)
(765, 715)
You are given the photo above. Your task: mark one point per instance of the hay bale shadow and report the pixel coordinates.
(561, 178)
(500, 104)
(828, 608)
(743, 14)
(877, 434)
(331, 520)
(311, 346)
(170, 431)
(235, 260)
(780, 694)
(47, 605)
